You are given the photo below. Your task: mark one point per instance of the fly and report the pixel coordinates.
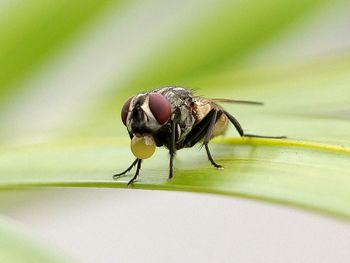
(173, 117)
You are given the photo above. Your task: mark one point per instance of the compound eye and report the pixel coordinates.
(160, 107)
(125, 110)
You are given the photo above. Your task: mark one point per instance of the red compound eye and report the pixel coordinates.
(125, 110)
(160, 107)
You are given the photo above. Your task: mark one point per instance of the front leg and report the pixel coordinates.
(139, 161)
(138, 168)
(116, 176)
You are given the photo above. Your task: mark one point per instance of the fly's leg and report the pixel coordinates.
(172, 149)
(235, 123)
(211, 158)
(207, 138)
(138, 168)
(239, 128)
(116, 176)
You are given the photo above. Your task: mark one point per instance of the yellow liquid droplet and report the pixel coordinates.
(143, 147)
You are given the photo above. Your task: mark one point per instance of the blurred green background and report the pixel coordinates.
(67, 67)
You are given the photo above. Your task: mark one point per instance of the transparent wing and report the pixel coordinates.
(237, 101)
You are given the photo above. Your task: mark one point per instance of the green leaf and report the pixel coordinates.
(16, 247)
(282, 171)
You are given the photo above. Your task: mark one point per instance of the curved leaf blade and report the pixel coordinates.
(282, 171)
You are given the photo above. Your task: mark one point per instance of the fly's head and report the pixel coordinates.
(146, 113)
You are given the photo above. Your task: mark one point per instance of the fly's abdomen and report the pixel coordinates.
(220, 126)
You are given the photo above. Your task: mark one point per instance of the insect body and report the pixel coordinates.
(173, 117)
